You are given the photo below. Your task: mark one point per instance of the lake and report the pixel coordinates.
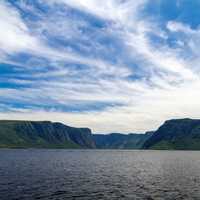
(99, 174)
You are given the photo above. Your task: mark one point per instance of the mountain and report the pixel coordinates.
(177, 134)
(120, 141)
(43, 134)
(46, 134)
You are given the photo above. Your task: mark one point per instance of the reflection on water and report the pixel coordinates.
(89, 174)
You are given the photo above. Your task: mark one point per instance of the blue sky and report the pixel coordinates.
(114, 66)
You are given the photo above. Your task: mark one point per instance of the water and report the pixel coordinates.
(104, 174)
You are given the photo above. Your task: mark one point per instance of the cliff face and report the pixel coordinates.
(45, 134)
(182, 134)
(176, 134)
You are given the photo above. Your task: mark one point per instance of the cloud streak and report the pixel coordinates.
(75, 62)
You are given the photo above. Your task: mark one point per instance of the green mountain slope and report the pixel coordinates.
(177, 134)
(43, 134)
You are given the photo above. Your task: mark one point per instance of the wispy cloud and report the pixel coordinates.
(110, 65)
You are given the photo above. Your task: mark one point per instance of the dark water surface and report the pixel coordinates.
(91, 174)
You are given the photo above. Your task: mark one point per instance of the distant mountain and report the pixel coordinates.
(43, 134)
(178, 134)
(120, 141)
(46, 134)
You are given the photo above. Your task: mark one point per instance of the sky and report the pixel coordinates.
(113, 66)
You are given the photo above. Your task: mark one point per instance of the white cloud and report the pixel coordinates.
(169, 89)
(115, 10)
(178, 26)
(147, 112)
(14, 35)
